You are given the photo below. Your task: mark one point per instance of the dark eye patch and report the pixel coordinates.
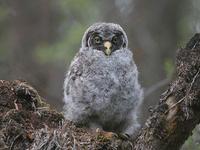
(95, 39)
(90, 37)
(117, 40)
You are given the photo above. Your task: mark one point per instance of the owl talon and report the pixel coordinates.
(123, 136)
(107, 135)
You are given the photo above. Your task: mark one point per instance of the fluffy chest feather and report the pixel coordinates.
(108, 81)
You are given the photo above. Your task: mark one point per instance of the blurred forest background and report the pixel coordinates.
(39, 38)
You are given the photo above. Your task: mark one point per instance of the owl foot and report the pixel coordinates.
(123, 136)
(106, 135)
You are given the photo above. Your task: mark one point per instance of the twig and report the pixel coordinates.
(16, 138)
(195, 44)
(16, 105)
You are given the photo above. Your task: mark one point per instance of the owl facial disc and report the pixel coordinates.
(105, 37)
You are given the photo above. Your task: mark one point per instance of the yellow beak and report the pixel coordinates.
(107, 45)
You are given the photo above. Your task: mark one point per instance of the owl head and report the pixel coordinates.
(106, 37)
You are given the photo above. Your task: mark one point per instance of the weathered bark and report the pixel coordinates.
(178, 110)
(26, 122)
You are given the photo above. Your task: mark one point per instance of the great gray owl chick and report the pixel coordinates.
(101, 88)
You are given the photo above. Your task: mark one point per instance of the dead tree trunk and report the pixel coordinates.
(177, 113)
(26, 122)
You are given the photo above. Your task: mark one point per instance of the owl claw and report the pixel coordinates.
(107, 135)
(123, 136)
(112, 135)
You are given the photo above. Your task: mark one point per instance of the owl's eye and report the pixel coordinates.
(97, 39)
(115, 39)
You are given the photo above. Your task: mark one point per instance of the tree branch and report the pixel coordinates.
(177, 113)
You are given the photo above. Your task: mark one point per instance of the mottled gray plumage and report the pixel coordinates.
(103, 91)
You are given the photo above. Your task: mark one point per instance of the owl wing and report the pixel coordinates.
(75, 72)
